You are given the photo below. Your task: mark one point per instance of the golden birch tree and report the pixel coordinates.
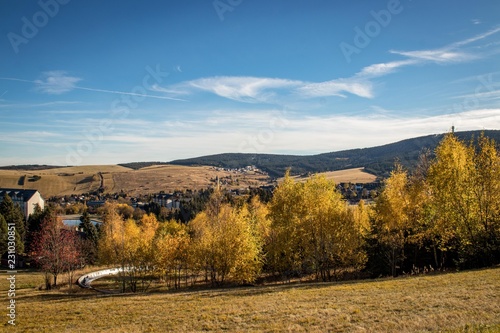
(225, 245)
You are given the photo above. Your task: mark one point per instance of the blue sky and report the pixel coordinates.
(93, 82)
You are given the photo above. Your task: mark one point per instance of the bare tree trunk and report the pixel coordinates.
(48, 286)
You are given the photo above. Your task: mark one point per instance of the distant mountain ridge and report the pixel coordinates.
(376, 160)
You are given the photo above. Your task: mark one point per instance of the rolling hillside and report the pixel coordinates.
(116, 178)
(196, 173)
(376, 160)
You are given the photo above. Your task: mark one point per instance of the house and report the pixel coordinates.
(26, 199)
(168, 201)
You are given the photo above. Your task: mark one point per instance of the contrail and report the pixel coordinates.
(101, 90)
(129, 93)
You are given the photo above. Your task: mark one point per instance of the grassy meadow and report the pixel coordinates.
(83, 179)
(355, 175)
(453, 302)
(153, 179)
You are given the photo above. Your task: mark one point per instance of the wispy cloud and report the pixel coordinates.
(444, 55)
(381, 69)
(31, 137)
(220, 132)
(238, 88)
(51, 82)
(451, 53)
(56, 82)
(355, 86)
(262, 89)
(487, 95)
(268, 90)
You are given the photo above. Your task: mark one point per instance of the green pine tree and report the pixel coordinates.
(13, 214)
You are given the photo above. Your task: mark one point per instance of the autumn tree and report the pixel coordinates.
(172, 248)
(57, 249)
(427, 241)
(466, 182)
(312, 230)
(483, 237)
(130, 245)
(257, 215)
(225, 245)
(361, 214)
(451, 180)
(112, 239)
(141, 252)
(331, 239)
(390, 223)
(125, 210)
(286, 210)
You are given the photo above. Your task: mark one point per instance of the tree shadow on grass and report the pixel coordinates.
(207, 291)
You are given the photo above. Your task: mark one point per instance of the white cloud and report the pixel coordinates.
(274, 132)
(487, 95)
(450, 53)
(476, 38)
(439, 55)
(262, 89)
(359, 87)
(56, 82)
(258, 131)
(31, 137)
(268, 90)
(238, 88)
(381, 69)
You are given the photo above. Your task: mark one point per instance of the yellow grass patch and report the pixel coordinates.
(447, 302)
(153, 179)
(355, 175)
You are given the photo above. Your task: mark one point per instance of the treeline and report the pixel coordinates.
(443, 214)
(306, 229)
(376, 160)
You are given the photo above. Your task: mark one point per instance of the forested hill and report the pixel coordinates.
(377, 160)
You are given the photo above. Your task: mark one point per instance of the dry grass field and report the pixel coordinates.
(453, 302)
(83, 179)
(175, 177)
(153, 179)
(355, 175)
(59, 181)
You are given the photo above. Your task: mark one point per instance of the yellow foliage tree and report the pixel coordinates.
(391, 219)
(172, 248)
(286, 211)
(451, 181)
(129, 245)
(312, 230)
(225, 245)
